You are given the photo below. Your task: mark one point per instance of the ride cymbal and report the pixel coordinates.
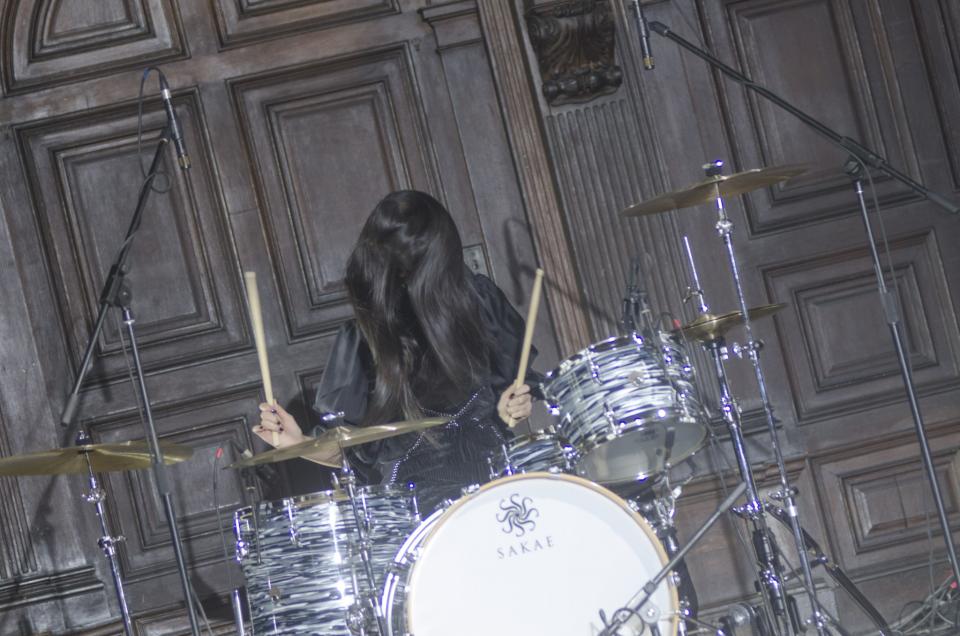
(713, 187)
(326, 448)
(707, 327)
(132, 455)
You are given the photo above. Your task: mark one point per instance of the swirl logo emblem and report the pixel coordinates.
(518, 515)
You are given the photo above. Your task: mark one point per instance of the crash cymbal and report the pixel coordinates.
(709, 189)
(325, 448)
(709, 327)
(131, 455)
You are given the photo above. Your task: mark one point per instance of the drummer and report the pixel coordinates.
(429, 339)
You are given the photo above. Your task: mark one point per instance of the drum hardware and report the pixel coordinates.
(819, 558)
(640, 603)
(91, 459)
(861, 158)
(107, 542)
(237, 605)
(714, 189)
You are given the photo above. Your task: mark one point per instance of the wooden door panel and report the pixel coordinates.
(56, 41)
(83, 174)
(328, 141)
(803, 50)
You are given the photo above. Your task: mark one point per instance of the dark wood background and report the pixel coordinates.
(299, 115)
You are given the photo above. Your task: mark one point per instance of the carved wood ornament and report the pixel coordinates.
(574, 42)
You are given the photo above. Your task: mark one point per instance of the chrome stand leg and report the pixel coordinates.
(787, 493)
(367, 600)
(107, 543)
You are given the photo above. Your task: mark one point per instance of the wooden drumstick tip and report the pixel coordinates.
(528, 332)
(256, 318)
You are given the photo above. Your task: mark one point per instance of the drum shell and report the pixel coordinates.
(401, 594)
(629, 406)
(538, 452)
(300, 555)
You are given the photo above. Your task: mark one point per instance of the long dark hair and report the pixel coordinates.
(414, 303)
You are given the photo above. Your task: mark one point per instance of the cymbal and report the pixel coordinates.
(326, 448)
(709, 189)
(131, 455)
(707, 327)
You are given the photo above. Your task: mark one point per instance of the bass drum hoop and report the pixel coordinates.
(404, 563)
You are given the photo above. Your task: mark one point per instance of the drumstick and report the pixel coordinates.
(253, 301)
(528, 334)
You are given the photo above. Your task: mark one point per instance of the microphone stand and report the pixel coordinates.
(116, 293)
(872, 159)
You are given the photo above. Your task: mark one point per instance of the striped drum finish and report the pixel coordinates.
(538, 452)
(300, 557)
(628, 406)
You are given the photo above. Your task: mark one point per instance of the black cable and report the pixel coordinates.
(143, 172)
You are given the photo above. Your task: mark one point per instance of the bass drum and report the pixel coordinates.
(539, 553)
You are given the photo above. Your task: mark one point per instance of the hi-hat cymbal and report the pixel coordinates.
(709, 327)
(713, 187)
(325, 448)
(103, 458)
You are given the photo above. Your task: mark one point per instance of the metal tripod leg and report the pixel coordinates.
(107, 543)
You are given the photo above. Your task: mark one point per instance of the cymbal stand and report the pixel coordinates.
(771, 570)
(787, 493)
(362, 601)
(107, 542)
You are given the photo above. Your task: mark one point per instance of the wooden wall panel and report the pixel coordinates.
(54, 41)
(837, 46)
(184, 292)
(241, 22)
(835, 339)
(938, 31)
(366, 108)
(878, 500)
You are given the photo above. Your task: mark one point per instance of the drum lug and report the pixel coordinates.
(594, 369)
(242, 550)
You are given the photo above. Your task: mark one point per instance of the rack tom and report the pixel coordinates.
(629, 406)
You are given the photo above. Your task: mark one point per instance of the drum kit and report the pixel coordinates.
(547, 545)
(557, 541)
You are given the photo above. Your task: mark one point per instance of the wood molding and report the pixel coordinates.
(518, 105)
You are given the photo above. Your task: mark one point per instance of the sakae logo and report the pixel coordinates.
(517, 519)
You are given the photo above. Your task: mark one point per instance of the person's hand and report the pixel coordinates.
(274, 418)
(515, 405)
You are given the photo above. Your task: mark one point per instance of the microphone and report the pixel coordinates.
(182, 157)
(645, 49)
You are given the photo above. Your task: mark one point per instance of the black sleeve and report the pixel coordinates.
(345, 384)
(505, 329)
(344, 387)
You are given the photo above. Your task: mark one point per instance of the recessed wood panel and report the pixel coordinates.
(879, 500)
(17, 557)
(835, 339)
(830, 41)
(85, 174)
(244, 21)
(53, 41)
(314, 199)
